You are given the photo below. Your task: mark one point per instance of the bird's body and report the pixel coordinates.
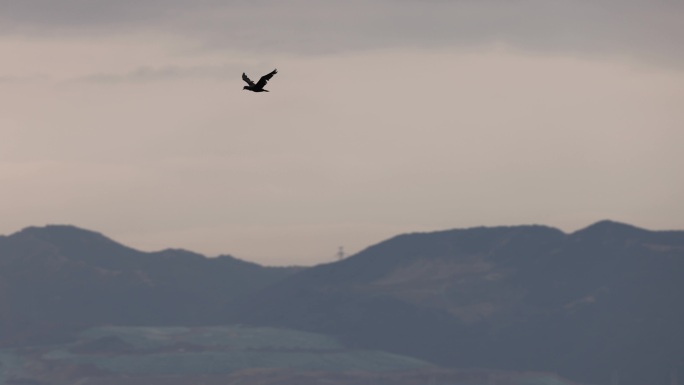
(258, 86)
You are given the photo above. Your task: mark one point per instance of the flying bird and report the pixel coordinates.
(258, 86)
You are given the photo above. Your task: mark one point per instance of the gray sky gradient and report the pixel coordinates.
(651, 30)
(386, 117)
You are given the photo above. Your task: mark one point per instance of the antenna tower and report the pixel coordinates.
(340, 253)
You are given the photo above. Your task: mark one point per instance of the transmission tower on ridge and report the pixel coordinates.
(340, 253)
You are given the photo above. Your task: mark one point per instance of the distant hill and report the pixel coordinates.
(603, 301)
(229, 355)
(56, 279)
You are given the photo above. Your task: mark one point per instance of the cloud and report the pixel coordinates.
(650, 30)
(23, 79)
(157, 74)
(88, 13)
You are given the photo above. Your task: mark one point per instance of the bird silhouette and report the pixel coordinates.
(258, 86)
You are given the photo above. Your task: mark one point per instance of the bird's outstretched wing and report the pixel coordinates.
(250, 82)
(264, 79)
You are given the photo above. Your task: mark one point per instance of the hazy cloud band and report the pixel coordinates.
(644, 29)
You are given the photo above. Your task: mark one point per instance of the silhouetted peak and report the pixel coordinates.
(611, 226)
(73, 241)
(475, 237)
(58, 232)
(435, 247)
(179, 253)
(607, 229)
(228, 259)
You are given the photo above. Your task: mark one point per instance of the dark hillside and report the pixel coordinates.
(60, 278)
(603, 299)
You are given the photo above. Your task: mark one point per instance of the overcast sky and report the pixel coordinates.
(128, 118)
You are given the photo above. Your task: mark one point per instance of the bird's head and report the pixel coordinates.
(244, 88)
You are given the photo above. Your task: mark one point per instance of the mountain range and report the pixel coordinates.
(603, 301)
(58, 279)
(597, 305)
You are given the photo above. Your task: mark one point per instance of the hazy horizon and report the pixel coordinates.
(129, 119)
